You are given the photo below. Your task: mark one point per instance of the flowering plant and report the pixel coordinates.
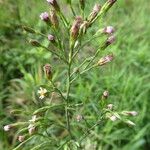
(66, 41)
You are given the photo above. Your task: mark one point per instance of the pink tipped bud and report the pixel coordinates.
(44, 16)
(79, 118)
(7, 127)
(51, 38)
(105, 60)
(110, 106)
(21, 138)
(109, 30)
(54, 4)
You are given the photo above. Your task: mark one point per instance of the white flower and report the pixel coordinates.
(34, 118)
(113, 118)
(130, 123)
(7, 128)
(42, 92)
(110, 106)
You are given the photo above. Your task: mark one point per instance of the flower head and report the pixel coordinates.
(110, 40)
(79, 118)
(31, 129)
(110, 106)
(108, 30)
(21, 138)
(7, 127)
(44, 16)
(42, 92)
(113, 118)
(51, 37)
(54, 4)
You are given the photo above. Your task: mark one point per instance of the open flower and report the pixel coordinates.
(42, 92)
(44, 16)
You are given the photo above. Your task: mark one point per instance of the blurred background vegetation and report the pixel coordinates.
(127, 78)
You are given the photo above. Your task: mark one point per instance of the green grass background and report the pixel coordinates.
(127, 77)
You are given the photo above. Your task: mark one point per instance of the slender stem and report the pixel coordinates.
(73, 12)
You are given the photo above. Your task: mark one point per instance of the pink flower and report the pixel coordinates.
(44, 16)
(109, 30)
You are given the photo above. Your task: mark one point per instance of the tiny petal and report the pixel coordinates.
(31, 129)
(105, 94)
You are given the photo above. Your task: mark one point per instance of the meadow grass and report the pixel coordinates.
(126, 78)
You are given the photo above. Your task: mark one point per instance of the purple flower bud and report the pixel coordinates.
(44, 16)
(51, 37)
(105, 60)
(109, 30)
(110, 40)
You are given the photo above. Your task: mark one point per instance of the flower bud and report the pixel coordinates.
(130, 113)
(54, 19)
(44, 16)
(27, 29)
(7, 127)
(105, 60)
(94, 12)
(21, 138)
(108, 30)
(54, 4)
(51, 38)
(130, 123)
(48, 71)
(35, 43)
(74, 31)
(79, 118)
(31, 129)
(110, 40)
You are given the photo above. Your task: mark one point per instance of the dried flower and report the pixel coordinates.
(130, 113)
(94, 13)
(110, 106)
(110, 40)
(79, 118)
(105, 60)
(105, 94)
(48, 71)
(44, 16)
(74, 31)
(109, 30)
(7, 127)
(130, 123)
(54, 19)
(31, 129)
(42, 92)
(21, 138)
(54, 4)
